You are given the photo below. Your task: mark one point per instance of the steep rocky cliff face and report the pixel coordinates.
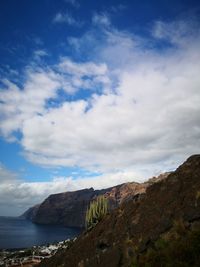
(30, 213)
(69, 208)
(131, 229)
(66, 208)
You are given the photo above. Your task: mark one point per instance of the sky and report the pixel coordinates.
(95, 94)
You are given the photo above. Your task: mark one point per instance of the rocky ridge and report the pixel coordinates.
(130, 230)
(69, 208)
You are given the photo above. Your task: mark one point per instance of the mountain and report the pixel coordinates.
(159, 228)
(30, 213)
(69, 208)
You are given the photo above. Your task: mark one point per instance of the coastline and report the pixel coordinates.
(19, 234)
(33, 255)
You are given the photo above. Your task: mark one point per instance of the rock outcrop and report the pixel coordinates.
(69, 208)
(129, 230)
(66, 208)
(30, 213)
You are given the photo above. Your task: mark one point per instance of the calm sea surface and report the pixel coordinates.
(20, 233)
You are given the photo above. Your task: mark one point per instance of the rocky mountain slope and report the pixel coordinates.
(69, 208)
(30, 213)
(170, 208)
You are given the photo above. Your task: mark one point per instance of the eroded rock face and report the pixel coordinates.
(66, 208)
(30, 213)
(137, 222)
(69, 208)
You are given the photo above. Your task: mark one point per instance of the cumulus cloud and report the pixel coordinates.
(151, 116)
(142, 113)
(19, 104)
(22, 103)
(16, 197)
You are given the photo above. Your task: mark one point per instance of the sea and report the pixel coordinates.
(16, 233)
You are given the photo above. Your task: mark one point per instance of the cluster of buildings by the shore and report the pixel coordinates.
(31, 256)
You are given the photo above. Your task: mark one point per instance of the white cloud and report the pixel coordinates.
(153, 115)
(117, 49)
(82, 69)
(68, 19)
(142, 116)
(101, 19)
(143, 110)
(38, 54)
(177, 32)
(20, 104)
(16, 197)
(6, 175)
(84, 75)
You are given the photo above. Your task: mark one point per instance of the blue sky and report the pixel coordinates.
(94, 93)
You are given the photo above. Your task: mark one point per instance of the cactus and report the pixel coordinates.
(97, 210)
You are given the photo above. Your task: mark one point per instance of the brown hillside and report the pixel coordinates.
(130, 229)
(69, 208)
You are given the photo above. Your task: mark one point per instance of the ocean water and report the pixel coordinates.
(20, 233)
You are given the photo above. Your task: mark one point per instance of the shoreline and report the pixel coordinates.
(21, 257)
(19, 234)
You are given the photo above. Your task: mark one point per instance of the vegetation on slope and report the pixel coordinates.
(178, 248)
(97, 210)
(160, 228)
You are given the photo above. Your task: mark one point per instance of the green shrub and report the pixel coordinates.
(183, 251)
(96, 211)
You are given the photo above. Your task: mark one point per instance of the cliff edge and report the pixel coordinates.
(130, 232)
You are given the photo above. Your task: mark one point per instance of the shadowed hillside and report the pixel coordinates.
(69, 208)
(167, 215)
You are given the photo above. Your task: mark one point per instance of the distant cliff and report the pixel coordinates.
(159, 228)
(65, 208)
(30, 213)
(69, 208)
